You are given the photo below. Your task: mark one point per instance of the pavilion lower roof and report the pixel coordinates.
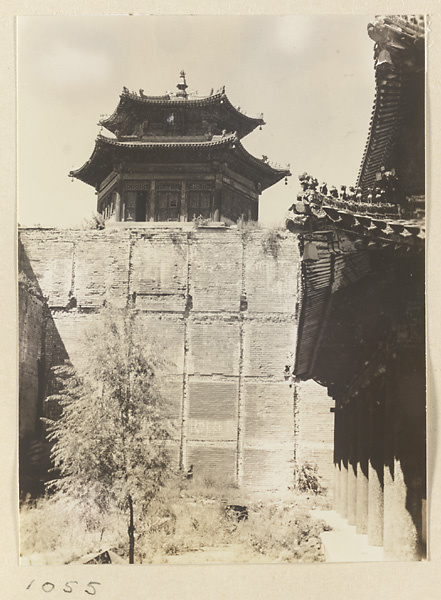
(131, 102)
(108, 152)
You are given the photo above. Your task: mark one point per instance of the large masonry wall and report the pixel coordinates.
(31, 334)
(222, 305)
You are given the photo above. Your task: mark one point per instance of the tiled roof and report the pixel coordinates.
(100, 163)
(363, 227)
(387, 117)
(320, 280)
(130, 100)
(399, 53)
(164, 142)
(380, 222)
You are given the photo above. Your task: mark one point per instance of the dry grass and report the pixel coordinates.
(187, 520)
(59, 531)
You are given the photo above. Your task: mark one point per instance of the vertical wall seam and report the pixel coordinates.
(130, 268)
(184, 403)
(296, 394)
(296, 411)
(72, 274)
(240, 432)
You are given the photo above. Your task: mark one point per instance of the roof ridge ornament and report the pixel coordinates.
(182, 86)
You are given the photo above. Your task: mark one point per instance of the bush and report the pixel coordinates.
(26, 284)
(271, 241)
(187, 515)
(307, 478)
(96, 221)
(284, 532)
(200, 221)
(247, 228)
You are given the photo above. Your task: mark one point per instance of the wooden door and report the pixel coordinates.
(168, 201)
(200, 201)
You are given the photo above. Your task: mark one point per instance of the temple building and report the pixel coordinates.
(175, 158)
(362, 319)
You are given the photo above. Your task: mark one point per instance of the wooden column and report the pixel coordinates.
(361, 519)
(376, 467)
(337, 457)
(183, 207)
(352, 461)
(217, 199)
(152, 202)
(390, 425)
(344, 462)
(404, 540)
(117, 205)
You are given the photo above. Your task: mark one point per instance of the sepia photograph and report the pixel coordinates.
(221, 289)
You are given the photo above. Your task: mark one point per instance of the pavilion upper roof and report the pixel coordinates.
(214, 111)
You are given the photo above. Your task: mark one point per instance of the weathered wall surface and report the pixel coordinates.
(31, 334)
(221, 304)
(315, 428)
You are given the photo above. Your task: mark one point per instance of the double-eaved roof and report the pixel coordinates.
(175, 129)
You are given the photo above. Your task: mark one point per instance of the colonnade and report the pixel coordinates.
(379, 460)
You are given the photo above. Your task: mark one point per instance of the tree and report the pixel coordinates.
(109, 443)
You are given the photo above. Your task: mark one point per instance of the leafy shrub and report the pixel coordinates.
(96, 221)
(200, 221)
(271, 241)
(28, 285)
(307, 478)
(247, 228)
(186, 516)
(283, 532)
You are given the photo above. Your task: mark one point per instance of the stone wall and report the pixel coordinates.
(222, 305)
(315, 428)
(31, 365)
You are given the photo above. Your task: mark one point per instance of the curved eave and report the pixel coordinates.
(376, 227)
(89, 171)
(268, 175)
(107, 151)
(128, 101)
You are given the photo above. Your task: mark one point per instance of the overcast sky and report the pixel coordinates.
(311, 76)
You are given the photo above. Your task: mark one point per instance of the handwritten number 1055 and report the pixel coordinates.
(68, 588)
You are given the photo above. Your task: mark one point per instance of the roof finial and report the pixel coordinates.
(182, 86)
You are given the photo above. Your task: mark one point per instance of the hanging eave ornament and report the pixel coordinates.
(310, 253)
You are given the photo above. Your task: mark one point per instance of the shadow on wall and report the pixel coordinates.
(40, 347)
